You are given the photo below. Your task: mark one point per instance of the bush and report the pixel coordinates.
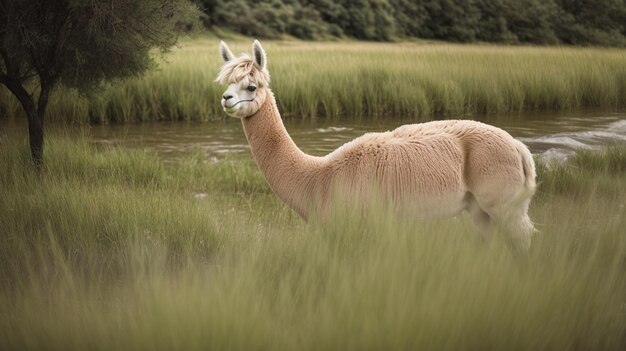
(579, 22)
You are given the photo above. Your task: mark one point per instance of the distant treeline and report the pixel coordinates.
(578, 22)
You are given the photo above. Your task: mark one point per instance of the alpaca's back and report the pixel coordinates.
(431, 165)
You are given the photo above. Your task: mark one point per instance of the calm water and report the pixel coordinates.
(546, 134)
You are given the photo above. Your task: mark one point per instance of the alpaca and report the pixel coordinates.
(434, 169)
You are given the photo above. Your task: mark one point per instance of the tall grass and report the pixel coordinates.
(363, 79)
(111, 249)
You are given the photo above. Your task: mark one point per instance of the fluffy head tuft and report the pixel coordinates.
(240, 69)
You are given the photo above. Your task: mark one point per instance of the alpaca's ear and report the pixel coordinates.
(225, 52)
(259, 54)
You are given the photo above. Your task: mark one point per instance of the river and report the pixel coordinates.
(550, 135)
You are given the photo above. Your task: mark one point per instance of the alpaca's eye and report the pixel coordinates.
(251, 88)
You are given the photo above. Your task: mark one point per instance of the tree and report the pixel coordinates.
(368, 19)
(533, 21)
(454, 20)
(79, 44)
(410, 17)
(492, 25)
(600, 22)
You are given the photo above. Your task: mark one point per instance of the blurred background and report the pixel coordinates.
(577, 22)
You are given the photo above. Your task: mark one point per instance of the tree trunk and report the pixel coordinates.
(34, 113)
(35, 135)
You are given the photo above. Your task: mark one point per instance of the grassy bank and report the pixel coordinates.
(364, 79)
(110, 249)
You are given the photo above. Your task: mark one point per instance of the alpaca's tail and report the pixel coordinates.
(528, 165)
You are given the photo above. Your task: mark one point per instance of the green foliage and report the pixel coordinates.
(368, 19)
(532, 21)
(601, 22)
(82, 43)
(79, 44)
(117, 252)
(268, 18)
(451, 20)
(306, 23)
(580, 22)
(410, 17)
(493, 25)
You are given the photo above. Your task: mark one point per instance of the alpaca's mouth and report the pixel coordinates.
(235, 104)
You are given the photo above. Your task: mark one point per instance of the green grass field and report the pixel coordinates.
(362, 80)
(111, 249)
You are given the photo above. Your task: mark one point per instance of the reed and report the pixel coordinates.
(111, 249)
(367, 80)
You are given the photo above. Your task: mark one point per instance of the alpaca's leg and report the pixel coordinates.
(521, 233)
(520, 227)
(513, 218)
(480, 218)
(507, 209)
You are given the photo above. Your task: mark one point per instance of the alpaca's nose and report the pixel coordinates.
(226, 97)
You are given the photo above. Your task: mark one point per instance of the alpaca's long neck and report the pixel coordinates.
(290, 172)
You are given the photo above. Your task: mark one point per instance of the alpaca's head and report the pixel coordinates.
(247, 78)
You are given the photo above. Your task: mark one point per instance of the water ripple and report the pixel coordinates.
(561, 145)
